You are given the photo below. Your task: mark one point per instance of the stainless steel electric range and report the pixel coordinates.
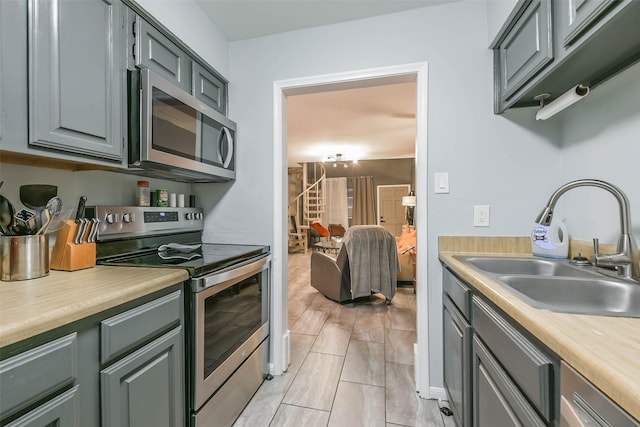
(226, 302)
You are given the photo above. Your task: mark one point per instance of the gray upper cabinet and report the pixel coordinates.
(13, 75)
(209, 89)
(579, 15)
(550, 46)
(527, 48)
(154, 50)
(76, 76)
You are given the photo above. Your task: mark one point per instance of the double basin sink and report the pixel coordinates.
(558, 285)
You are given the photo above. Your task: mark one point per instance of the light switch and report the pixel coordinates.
(441, 182)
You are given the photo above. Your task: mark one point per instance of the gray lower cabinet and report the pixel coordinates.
(497, 401)
(76, 77)
(146, 388)
(457, 335)
(124, 367)
(495, 373)
(62, 410)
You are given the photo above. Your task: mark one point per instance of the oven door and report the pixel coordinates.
(231, 321)
(177, 132)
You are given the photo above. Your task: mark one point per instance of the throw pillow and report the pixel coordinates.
(322, 231)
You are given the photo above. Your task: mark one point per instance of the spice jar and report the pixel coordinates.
(143, 197)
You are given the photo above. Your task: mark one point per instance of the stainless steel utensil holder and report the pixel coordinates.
(24, 257)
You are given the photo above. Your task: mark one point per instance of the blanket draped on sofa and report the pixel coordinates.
(373, 260)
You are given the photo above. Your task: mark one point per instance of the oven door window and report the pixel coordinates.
(232, 316)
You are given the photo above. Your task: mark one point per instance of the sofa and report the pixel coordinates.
(367, 263)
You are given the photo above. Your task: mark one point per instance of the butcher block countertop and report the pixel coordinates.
(605, 350)
(31, 307)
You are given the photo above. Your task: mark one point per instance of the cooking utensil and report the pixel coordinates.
(53, 208)
(6, 215)
(25, 222)
(82, 228)
(36, 196)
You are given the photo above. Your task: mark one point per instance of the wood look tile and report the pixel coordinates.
(264, 404)
(295, 416)
(300, 346)
(368, 327)
(401, 397)
(332, 340)
(364, 363)
(399, 346)
(358, 405)
(316, 382)
(310, 322)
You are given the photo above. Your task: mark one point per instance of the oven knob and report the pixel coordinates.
(199, 215)
(128, 217)
(111, 218)
(189, 215)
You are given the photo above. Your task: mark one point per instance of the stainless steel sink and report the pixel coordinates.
(528, 266)
(557, 285)
(606, 297)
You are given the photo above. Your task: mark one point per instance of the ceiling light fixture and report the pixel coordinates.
(568, 98)
(339, 160)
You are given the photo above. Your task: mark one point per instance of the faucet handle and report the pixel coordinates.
(596, 246)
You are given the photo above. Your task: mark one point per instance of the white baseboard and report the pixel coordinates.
(438, 393)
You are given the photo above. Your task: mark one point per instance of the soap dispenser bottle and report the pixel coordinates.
(550, 241)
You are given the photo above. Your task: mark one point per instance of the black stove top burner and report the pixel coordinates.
(206, 259)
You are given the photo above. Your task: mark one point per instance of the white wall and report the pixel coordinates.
(601, 139)
(489, 158)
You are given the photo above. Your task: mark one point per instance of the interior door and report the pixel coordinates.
(391, 213)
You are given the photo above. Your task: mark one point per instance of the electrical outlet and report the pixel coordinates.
(481, 215)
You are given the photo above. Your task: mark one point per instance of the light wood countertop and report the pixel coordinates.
(31, 307)
(605, 350)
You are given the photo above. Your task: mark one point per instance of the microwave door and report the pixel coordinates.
(173, 137)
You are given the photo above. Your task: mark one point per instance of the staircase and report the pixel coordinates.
(308, 205)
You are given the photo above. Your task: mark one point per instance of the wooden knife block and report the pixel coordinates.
(67, 255)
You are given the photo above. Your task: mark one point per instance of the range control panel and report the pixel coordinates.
(132, 221)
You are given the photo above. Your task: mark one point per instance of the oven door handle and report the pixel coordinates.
(226, 278)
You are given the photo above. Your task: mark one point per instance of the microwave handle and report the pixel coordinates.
(229, 139)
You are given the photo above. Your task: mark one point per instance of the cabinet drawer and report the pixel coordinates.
(459, 293)
(62, 410)
(126, 331)
(36, 373)
(530, 368)
(497, 401)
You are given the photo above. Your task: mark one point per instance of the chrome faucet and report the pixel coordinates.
(626, 261)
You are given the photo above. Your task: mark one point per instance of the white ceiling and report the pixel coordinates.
(364, 123)
(245, 19)
(367, 123)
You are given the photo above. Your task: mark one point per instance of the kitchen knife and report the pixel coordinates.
(80, 211)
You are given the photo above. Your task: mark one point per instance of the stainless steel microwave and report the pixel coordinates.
(174, 135)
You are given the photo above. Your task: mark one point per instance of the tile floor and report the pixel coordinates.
(351, 365)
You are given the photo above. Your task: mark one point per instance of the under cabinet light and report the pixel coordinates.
(568, 98)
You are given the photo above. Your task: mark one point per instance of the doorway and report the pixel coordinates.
(362, 78)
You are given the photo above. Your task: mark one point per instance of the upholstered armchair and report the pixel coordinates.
(366, 263)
